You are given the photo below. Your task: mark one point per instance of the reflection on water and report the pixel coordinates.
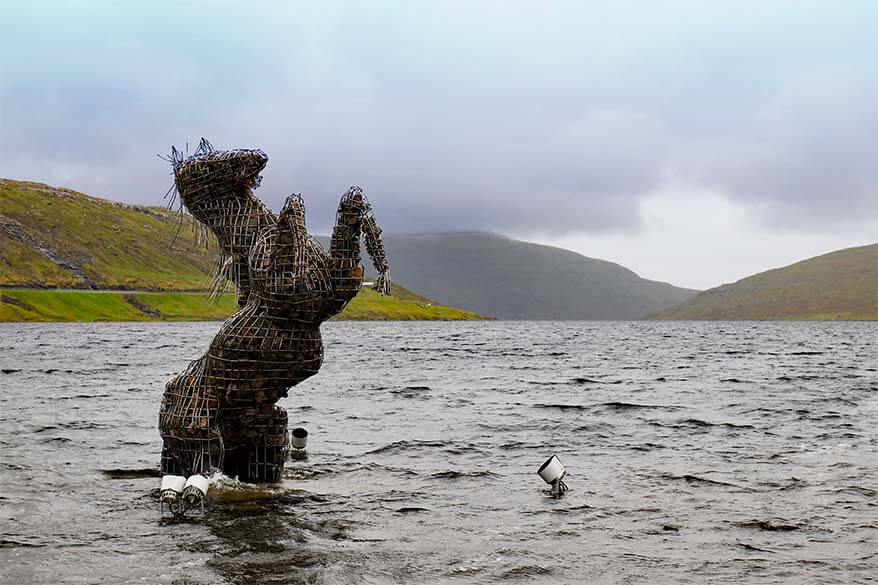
(698, 452)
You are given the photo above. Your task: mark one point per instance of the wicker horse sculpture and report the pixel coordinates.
(220, 413)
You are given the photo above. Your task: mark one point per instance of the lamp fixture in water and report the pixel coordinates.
(553, 473)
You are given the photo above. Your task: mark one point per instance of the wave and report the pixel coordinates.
(76, 396)
(563, 406)
(703, 423)
(132, 473)
(398, 446)
(7, 543)
(768, 525)
(647, 447)
(525, 572)
(622, 406)
(614, 405)
(376, 468)
(452, 474)
(858, 490)
(411, 510)
(695, 480)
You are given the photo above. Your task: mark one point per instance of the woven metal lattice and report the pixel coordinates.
(220, 413)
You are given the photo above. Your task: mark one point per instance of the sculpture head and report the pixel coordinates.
(208, 169)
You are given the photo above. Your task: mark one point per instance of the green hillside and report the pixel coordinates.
(58, 238)
(75, 305)
(838, 285)
(55, 238)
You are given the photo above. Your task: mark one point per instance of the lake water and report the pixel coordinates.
(698, 453)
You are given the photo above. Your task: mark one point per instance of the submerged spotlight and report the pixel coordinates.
(553, 473)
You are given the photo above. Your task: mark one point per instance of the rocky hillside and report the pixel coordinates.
(57, 238)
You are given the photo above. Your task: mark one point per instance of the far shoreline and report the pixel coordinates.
(44, 305)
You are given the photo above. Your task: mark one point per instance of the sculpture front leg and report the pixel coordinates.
(192, 446)
(344, 248)
(353, 219)
(375, 249)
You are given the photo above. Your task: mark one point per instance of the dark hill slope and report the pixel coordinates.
(510, 279)
(838, 285)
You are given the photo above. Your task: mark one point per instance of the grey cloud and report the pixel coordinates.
(461, 117)
(809, 154)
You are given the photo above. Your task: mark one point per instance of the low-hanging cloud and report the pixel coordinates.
(458, 116)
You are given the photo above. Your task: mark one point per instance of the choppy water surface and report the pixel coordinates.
(699, 452)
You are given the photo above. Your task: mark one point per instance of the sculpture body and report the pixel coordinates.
(220, 413)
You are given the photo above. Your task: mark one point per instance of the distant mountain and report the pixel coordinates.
(510, 279)
(838, 285)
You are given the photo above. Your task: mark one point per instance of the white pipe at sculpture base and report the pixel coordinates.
(172, 487)
(198, 482)
(194, 493)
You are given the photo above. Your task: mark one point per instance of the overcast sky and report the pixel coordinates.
(694, 142)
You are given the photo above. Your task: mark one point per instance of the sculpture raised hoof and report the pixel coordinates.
(220, 413)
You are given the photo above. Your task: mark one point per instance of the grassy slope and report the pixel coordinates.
(94, 243)
(110, 245)
(838, 285)
(67, 305)
(20, 264)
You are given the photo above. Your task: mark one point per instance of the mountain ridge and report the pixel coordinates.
(523, 280)
(842, 284)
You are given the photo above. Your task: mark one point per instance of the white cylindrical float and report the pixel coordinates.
(197, 482)
(299, 438)
(194, 492)
(552, 470)
(172, 487)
